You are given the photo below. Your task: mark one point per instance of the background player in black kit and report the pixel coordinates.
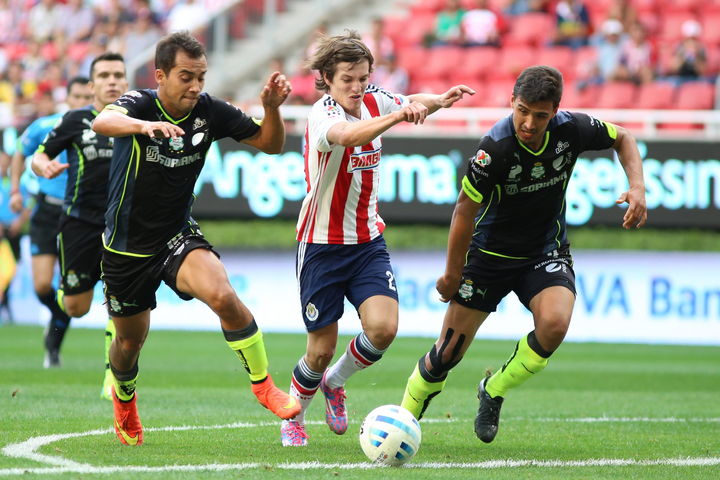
(83, 217)
(150, 237)
(511, 215)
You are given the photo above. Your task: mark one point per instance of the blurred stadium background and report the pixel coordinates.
(649, 65)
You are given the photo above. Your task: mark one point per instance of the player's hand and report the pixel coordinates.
(162, 130)
(53, 168)
(15, 228)
(455, 93)
(447, 286)
(16, 202)
(275, 91)
(636, 214)
(415, 113)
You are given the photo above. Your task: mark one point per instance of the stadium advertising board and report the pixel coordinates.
(642, 297)
(420, 178)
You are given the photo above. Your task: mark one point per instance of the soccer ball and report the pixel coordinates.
(390, 435)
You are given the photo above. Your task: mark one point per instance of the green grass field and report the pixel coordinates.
(598, 411)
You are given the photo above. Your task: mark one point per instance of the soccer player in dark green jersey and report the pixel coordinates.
(508, 233)
(162, 137)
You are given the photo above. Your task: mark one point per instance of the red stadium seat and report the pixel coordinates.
(514, 60)
(695, 96)
(415, 29)
(443, 60)
(616, 95)
(412, 59)
(655, 95)
(562, 58)
(711, 30)
(480, 61)
(573, 98)
(497, 94)
(534, 29)
(671, 26)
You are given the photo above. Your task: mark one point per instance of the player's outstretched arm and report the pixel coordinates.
(446, 100)
(626, 147)
(271, 136)
(44, 166)
(17, 167)
(461, 228)
(112, 123)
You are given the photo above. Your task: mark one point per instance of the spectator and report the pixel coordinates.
(637, 58)
(391, 77)
(518, 7)
(77, 24)
(608, 46)
(624, 11)
(141, 35)
(11, 18)
(689, 61)
(448, 29)
(43, 20)
(188, 15)
(481, 25)
(573, 23)
(381, 46)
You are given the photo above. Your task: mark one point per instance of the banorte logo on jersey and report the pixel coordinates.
(364, 160)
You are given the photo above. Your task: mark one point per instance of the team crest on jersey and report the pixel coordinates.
(466, 290)
(482, 158)
(177, 143)
(311, 312)
(364, 160)
(538, 171)
(72, 279)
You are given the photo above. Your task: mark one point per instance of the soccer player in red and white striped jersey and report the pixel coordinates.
(341, 251)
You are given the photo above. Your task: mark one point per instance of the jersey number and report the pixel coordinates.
(391, 280)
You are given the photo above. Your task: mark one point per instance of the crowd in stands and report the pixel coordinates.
(624, 46)
(44, 43)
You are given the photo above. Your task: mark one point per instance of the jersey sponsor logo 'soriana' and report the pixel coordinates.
(152, 154)
(364, 160)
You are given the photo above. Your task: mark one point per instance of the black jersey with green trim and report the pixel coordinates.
(152, 179)
(522, 192)
(88, 155)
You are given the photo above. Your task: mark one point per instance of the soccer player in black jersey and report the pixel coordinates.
(508, 233)
(82, 220)
(163, 136)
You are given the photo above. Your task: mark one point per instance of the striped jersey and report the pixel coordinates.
(342, 183)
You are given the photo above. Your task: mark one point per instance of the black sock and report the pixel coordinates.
(59, 321)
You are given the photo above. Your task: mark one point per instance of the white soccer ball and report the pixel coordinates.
(390, 435)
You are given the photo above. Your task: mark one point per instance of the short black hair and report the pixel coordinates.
(80, 80)
(539, 83)
(105, 57)
(168, 46)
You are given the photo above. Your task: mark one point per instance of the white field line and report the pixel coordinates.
(60, 465)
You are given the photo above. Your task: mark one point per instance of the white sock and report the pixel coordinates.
(359, 354)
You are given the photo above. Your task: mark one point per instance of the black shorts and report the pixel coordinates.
(487, 279)
(131, 282)
(80, 251)
(45, 225)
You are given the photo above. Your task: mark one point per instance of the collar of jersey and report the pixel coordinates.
(542, 149)
(167, 115)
